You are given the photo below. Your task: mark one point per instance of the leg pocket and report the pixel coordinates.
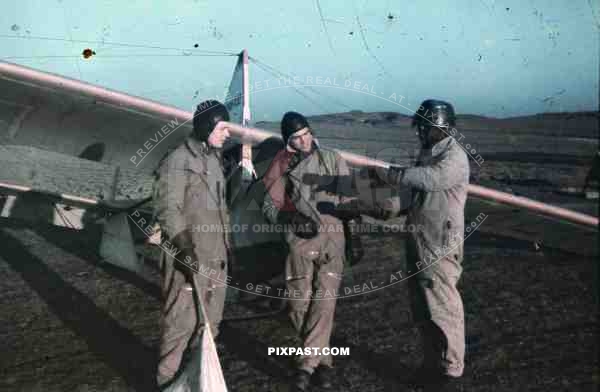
(214, 280)
(435, 293)
(180, 316)
(297, 266)
(327, 283)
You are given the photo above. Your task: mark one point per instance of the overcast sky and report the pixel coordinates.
(496, 58)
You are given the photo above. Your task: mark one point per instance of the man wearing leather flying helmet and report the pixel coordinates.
(316, 243)
(189, 191)
(435, 252)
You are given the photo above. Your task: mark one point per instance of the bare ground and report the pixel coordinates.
(71, 323)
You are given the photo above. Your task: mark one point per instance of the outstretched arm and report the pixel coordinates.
(448, 171)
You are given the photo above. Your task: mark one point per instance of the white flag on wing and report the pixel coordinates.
(237, 103)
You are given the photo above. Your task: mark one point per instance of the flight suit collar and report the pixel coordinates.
(426, 155)
(195, 147)
(441, 146)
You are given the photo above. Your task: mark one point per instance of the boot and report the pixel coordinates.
(301, 381)
(324, 377)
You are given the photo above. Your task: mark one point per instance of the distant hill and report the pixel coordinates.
(571, 124)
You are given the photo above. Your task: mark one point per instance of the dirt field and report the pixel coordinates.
(71, 324)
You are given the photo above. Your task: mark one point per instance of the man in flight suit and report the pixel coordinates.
(435, 250)
(316, 242)
(189, 192)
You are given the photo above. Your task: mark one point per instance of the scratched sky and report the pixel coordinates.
(495, 58)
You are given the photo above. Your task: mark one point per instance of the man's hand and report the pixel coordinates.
(377, 177)
(381, 177)
(186, 256)
(394, 175)
(184, 262)
(383, 210)
(352, 209)
(302, 225)
(388, 208)
(337, 185)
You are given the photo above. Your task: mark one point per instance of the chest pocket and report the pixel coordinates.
(206, 183)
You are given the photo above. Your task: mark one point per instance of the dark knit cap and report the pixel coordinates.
(291, 123)
(207, 115)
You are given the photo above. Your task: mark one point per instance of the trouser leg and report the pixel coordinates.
(298, 287)
(214, 289)
(178, 326)
(453, 358)
(315, 318)
(435, 345)
(298, 310)
(181, 323)
(320, 318)
(299, 272)
(314, 270)
(438, 310)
